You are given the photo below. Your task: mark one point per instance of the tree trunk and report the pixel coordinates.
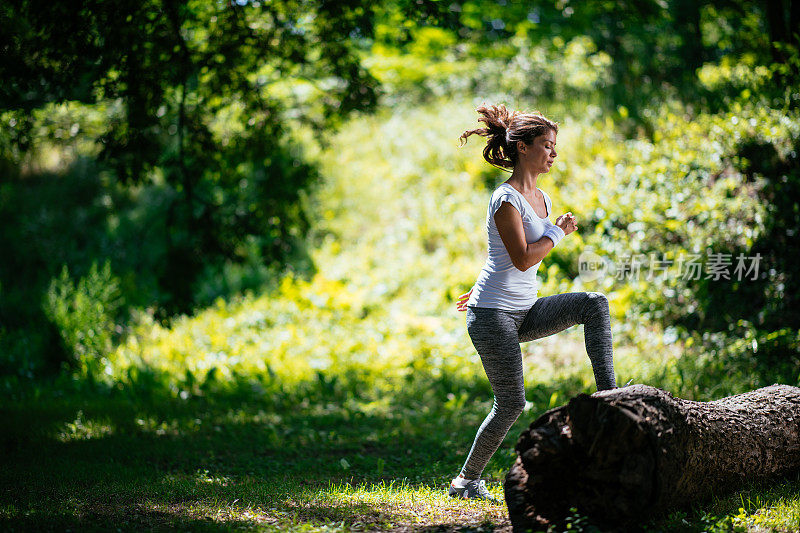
(626, 454)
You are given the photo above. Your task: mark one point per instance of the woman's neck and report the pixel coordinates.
(523, 181)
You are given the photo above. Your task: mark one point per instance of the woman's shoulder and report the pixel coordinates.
(503, 192)
(504, 189)
(506, 193)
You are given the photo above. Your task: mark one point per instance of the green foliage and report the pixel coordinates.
(564, 72)
(647, 50)
(48, 220)
(223, 183)
(196, 99)
(85, 313)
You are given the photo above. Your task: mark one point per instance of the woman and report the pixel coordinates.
(502, 308)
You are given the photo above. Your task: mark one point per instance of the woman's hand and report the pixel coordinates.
(567, 223)
(461, 305)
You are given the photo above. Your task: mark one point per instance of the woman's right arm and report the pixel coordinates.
(522, 253)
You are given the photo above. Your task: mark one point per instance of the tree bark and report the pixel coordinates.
(626, 454)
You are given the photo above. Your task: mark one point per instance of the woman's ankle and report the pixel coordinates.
(460, 481)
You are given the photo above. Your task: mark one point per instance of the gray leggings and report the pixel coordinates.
(496, 335)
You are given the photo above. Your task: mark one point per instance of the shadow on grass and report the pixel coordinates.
(119, 520)
(140, 457)
(256, 455)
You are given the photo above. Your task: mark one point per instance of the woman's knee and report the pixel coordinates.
(596, 304)
(512, 408)
(598, 297)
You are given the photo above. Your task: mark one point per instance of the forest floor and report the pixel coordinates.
(142, 459)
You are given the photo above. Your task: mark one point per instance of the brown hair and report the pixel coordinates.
(504, 128)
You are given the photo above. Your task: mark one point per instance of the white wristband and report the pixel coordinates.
(554, 233)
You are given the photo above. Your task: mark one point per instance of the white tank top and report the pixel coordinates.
(500, 284)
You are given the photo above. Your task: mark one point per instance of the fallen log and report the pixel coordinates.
(623, 455)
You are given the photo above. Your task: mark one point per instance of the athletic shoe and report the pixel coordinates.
(475, 489)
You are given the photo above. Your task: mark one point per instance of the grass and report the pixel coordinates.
(142, 458)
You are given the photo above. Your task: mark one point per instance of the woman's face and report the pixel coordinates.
(540, 154)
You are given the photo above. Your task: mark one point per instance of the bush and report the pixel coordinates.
(85, 314)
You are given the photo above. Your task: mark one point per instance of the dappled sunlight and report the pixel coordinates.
(402, 504)
(204, 476)
(194, 514)
(386, 504)
(780, 515)
(83, 428)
